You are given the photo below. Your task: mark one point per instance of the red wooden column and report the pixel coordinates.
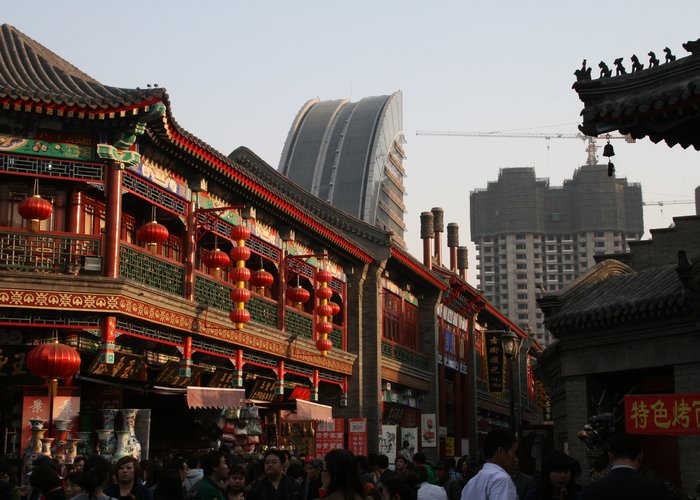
(344, 394)
(108, 327)
(186, 361)
(279, 383)
(239, 368)
(314, 385)
(113, 195)
(190, 249)
(75, 213)
(442, 393)
(458, 402)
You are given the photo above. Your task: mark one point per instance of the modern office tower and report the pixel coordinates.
(531, 237)
(351, 154)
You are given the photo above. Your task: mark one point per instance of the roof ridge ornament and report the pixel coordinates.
(693, 47)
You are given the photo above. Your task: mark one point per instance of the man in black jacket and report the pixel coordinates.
(624, 481)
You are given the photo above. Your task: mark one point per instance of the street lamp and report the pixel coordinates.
(511, 348)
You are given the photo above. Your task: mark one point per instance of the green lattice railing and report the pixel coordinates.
(146, 268)
(403, 355)
(46, 252)
(336, 337)
(298, 324)
(209, 292)
(263, 311)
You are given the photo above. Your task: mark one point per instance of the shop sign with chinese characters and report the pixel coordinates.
(330, 436)
(662, 414)
(494, 360)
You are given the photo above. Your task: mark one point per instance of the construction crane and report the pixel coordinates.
(662, 204)
(591, 145)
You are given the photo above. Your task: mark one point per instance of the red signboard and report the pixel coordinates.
(330, 436)
(36, 405)
(357, 436)
(662, 414)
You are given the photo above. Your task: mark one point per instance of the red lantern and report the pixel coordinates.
(324, 293)
(35, 208)
(298, 295)
(53, 361)
(262, 279)
(239, 316)
(240, 233)
(324, 345)
(324, 310)
(240, 274)
(152, 233)
(324, 327)
(216, 259)
(240, 295)
(323, 276)
(240, 253)
(335, 308)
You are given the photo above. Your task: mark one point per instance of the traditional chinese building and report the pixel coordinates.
(630, 326)
(171, 267)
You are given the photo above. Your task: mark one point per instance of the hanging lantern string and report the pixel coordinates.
(36, 187)
(153, 213)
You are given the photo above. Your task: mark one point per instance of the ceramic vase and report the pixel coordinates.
(122, 449)
(85, 447)
(46, 446)
(33, 450)
(72, 450)
(133, 446)
(108, 420)
(104, 438)
(61, 427)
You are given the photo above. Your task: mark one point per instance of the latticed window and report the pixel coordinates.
(11, 195)
(391, 316)
(172, 248)
(409, 337)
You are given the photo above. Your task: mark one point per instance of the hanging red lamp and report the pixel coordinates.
(323, 326)
(35, 209)
(298, 295)
(240, 274)
(216, 260)
(261, 279)
(324, 345)
(335, 308)
(152, 234)
(240, 295)
(53, 361)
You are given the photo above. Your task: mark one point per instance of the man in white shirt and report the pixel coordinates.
(427, 491)
(493, 482)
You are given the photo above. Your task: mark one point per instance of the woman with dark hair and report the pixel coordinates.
(558, 478)
(127, 476)
(95, 475)
(402, 487)
(312, 481)
(341, 477)
(74, 484)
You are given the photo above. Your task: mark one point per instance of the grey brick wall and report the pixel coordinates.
(687, 381)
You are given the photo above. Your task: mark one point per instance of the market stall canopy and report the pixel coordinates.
(306, 410)
(214, 397)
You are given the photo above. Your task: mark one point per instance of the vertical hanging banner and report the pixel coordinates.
(428, 430)
(410, 434)
(330, 436)
(387, 442)
(494, 360)
(357, 436)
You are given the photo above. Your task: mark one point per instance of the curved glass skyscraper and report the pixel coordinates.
(350, 154)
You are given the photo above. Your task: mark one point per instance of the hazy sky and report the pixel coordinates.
(237, 72)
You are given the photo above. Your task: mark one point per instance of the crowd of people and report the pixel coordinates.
(339, 475)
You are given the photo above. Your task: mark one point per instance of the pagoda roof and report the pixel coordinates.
(612, 293)
(659, 102)
(31, 72)
(33, 79)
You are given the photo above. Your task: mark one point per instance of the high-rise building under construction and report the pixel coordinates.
(531, 237)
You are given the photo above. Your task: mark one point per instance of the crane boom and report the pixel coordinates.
(591, 145)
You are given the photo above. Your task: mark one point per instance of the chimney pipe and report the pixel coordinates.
(452, 244)
(439, 228)
(427, 231)
(463, 261)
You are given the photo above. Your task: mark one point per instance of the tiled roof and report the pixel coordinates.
(660, 102)
(33, 78)
(623, 296)
(31, 72)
